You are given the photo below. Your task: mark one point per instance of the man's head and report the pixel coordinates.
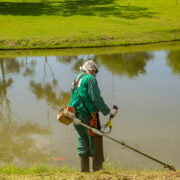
(89, 67)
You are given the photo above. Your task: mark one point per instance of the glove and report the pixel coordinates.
(113, 111)
(110, 124)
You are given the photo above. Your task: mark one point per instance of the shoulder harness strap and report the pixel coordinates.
(76, 82)
(75, 87)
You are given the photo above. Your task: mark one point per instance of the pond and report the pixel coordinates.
(144, 83)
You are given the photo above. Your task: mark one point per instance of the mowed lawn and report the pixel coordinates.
(87, 23)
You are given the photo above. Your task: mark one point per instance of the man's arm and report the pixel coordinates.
(96, 98)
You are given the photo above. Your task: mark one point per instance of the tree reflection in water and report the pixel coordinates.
(128, 64)
(5, 110)
(29, 68)
(173, 61)
(17, 140)
(46, 90)
(76, 61)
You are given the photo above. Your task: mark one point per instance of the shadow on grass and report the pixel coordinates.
(102, 8)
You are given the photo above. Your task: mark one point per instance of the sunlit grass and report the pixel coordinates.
(45, 171)
(50, 23)
(40, 168)
(35, 169)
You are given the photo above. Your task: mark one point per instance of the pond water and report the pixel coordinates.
(144, 84)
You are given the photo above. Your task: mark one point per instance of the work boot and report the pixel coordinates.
(84, 162)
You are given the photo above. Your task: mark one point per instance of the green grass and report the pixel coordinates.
(86, 23)
(37, 168)
(173, 46)
(43, 171)
(34, 169)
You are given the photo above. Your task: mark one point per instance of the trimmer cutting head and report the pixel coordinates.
(172, 168)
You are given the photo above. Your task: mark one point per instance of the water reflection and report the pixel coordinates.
(173, 61)
(17, 142)
(29, 67)
(45, 91)
(10, 65)
(128, 64)
(32, 88)
(5, 83)
(48, 66)
(76, 61)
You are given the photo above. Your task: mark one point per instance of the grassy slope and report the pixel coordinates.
(44, 171)
(101, 175)
(84, 23)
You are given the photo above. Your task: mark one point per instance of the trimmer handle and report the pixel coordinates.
(113, 112)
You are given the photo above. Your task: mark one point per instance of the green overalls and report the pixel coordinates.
(89, 91)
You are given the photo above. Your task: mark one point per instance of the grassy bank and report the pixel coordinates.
(172, 46)
(78, 23)
(42, 172)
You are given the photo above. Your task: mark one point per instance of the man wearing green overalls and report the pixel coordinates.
(87, 101)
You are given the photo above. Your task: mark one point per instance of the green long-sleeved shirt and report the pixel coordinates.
(89, 91)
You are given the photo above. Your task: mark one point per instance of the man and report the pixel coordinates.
(87, 101)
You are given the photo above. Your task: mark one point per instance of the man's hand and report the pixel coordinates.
(113, 111)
